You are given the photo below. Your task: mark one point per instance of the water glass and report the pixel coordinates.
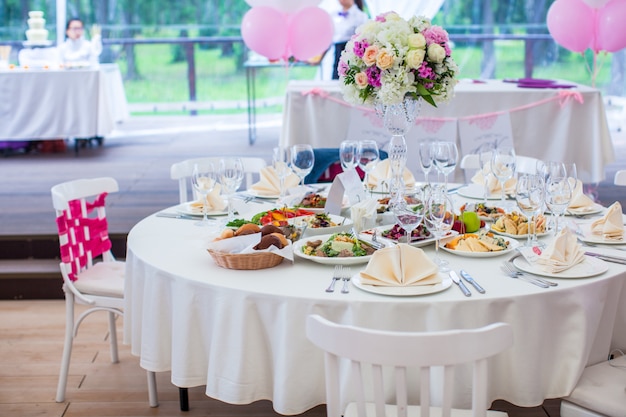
(280, 162)
(203, 179)
(558, 198)
(231, 173)
(367, 156)
(408, 217)
(485, 154)
(348, 154)
(426, 151)
(530, 195)
(503, 166)
(445, 156)
(439, 214)
(302, 160)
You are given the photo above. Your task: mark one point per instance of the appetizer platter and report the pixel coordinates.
(484, 212)
(337, 248)
(515, 225)
(483, 244)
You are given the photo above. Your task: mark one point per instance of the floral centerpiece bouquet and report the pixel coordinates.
(389, 58)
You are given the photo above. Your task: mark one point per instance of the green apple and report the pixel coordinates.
(471, 220)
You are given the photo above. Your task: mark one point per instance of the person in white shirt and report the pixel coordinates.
(76, 50)
(347, 17)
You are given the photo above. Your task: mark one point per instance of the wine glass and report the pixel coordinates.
(558, 197)
(445, 156)
(302, 161)
(203, 179)
(367, 157)
(280, 162)
(348, 154)
(439, 215)
(408, 217)
(485, 154)
(529, 195)
(503, 166)
(426, 159)
(231, 174)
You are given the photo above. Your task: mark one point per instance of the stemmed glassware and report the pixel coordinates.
(503, 166)
(445, 156)
(558, 197)
(280, 162)
(203, 179)
(348, 154)
(302, 160)
(367, 157)
(426, 151)
(439, 214)
(231, 175)
(530, 195)
(485, 154)
(408, 217)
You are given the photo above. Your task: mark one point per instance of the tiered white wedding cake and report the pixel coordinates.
(36, 32)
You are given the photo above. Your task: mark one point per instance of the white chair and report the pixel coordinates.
(181, 171)
(600, 391)
(83, 239)
(402, 351)
(620, 178)
(526, 164)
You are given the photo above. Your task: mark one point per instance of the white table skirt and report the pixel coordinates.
(53, 104)
(241, 333)
(573, 132)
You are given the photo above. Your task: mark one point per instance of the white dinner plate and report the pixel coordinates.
(513, 244)
(297, 250)
(589, 267)
(476, 191)
(256, 194)
(595, 209)
(408, 291)
(189, 210)
(587, 236)
(343, 224)
(546, 233)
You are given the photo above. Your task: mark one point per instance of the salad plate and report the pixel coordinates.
(511, 246)
(352, 260)
(402, 291)
(323, 224)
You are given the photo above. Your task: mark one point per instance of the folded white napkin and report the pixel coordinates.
(214, 200)
(493, 184)
(363, 214)
(382, 173)
(580, 202)
(563, 253)
(269, 183)
(400, 265)
(611, 225)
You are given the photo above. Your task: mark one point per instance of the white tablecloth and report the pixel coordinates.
(53, 104)
(241, 333)
(572, 132)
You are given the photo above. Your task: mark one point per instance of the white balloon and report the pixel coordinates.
(291, 6)
(596, 4)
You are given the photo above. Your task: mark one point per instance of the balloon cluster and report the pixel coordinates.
(282, 29)
(579, 25)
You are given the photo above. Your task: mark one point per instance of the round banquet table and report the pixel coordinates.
(242, 333)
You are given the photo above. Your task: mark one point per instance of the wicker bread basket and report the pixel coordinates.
(259, 260)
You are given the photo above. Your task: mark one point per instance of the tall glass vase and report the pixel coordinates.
(398, 119)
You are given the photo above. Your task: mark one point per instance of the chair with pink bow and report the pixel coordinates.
(91, 275)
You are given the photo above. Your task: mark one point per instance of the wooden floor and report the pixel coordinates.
(31, 342)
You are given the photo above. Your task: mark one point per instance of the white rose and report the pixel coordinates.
(436, 53)
(416, 40)
(415, 57)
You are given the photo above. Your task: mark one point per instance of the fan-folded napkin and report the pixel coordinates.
(269, 182)
(580, 203)
(563, 253)
(363, 214)
(400, 265)
(214, 201)
(493, 184)
(611, 225)
(382, 173)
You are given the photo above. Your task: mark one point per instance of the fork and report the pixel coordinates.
(347, 274)
(509, 264)
(373, 243)
(336, 277)
(513, 273)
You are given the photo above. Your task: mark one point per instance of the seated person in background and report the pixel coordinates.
(76, 50)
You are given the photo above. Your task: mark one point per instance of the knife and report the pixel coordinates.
(467, 277)
(458, 282)
(607, 258)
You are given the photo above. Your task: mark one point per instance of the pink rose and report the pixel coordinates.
(370, 54)
(360, 79)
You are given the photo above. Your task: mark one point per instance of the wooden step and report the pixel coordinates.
(30, 279)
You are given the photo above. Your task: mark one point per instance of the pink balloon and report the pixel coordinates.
(612, 27)
(265, 31)
(310, 33)
(571, 24)
(596, 4)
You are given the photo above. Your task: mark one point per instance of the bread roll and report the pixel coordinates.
(227, 233)
(269, 240)
(281, 237)
(270, 228)
(248, 229)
